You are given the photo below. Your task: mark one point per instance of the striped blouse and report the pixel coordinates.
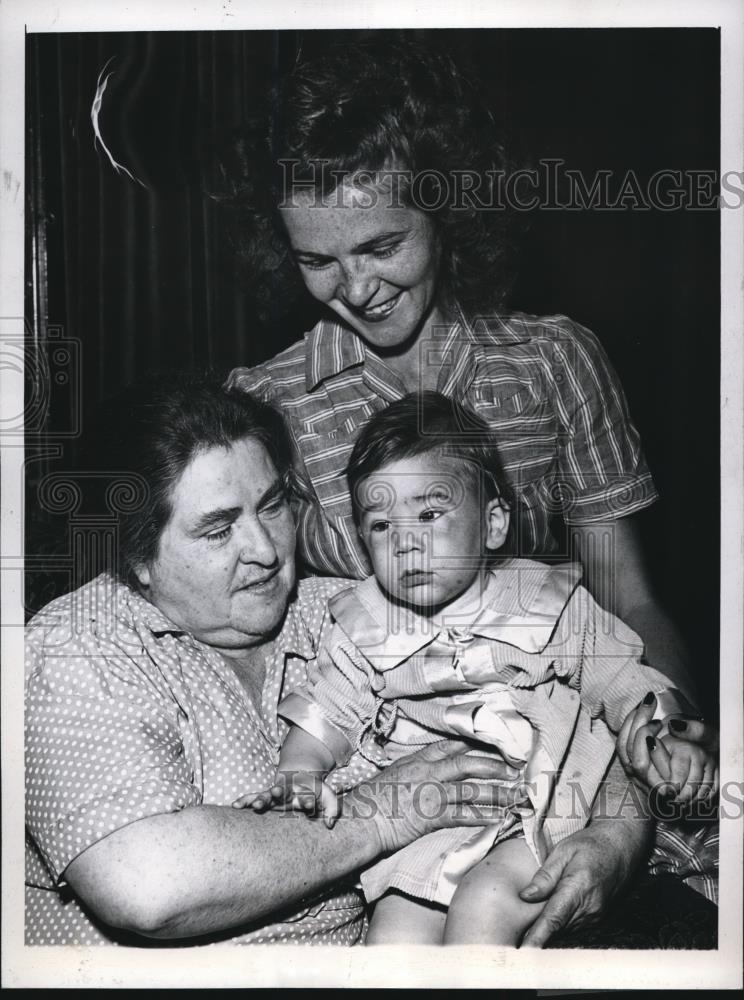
(543, 385)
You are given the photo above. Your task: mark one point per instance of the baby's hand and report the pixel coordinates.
(304, 791)
(693, 763)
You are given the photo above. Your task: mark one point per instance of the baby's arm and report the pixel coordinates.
(326, 718)
(303, 763)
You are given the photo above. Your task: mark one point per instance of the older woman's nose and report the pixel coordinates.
(257, 545)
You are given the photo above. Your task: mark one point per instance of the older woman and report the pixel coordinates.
(376, 186)
(151, 705)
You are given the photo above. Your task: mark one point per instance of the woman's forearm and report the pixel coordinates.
(665, 648)
(621, 812)
(209, 868)
(615, 573)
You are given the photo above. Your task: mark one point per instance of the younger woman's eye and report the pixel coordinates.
(383, 252)
(218, 536)
(379, 526)
(315, 264)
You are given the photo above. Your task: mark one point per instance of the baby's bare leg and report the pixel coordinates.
(399, 919)
(486, 908)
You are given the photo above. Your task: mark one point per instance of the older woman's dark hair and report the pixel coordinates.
(371, 107)
(423, 423)
(149, 434)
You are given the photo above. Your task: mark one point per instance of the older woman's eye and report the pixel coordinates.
(275, 506)
(218, 536)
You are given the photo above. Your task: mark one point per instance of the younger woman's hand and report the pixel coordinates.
(675, 754)
(639, 746)
(303, 791)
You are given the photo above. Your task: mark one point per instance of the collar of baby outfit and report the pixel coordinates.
(520, 606)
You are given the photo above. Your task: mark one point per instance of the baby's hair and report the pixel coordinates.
(423, 423)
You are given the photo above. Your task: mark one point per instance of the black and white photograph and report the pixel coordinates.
(372, 474)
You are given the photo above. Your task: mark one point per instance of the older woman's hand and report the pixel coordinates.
(436, 787)
(579, 879)
(584, 872)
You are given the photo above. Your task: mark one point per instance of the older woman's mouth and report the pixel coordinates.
(260, 583)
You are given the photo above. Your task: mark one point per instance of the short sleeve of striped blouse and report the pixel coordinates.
(601, 468)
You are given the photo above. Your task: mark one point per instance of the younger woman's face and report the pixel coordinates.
(374, 261)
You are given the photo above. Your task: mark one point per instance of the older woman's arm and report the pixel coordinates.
(206, 869)
(209, 868)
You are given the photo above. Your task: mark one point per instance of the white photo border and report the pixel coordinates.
(264, 966)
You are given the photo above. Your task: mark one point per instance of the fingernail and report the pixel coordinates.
(678, 725)
(529, 891)
(651, 744)
(649, 699)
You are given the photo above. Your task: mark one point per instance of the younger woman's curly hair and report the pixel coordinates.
(372, 107)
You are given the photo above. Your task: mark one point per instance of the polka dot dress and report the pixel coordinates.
(128, 717)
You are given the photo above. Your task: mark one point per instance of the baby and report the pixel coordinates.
(445, 641)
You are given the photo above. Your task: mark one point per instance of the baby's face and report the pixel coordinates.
(427, 529)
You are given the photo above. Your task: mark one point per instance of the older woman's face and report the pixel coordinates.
(225, 564)
(374, 262)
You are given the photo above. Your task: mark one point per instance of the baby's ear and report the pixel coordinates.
(497, 524)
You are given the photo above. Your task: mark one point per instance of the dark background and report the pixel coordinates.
(124, 280)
